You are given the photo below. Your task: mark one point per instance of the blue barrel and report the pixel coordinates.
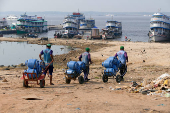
(108, 63)
(31, 71)
(32, 63)
(115, 60)
(70, 73)
(109, 72)
(82, 65)
(73, 65)
(111, 58)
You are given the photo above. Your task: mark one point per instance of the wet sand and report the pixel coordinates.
(146, 60)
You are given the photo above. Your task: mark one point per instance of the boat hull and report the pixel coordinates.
(21, 32)
(157, 38)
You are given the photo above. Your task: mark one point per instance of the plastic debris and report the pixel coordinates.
(78, 108)
(160, 105)
(167, 95)
(161, 78)
(134, 84)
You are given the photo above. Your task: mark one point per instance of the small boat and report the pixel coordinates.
(12, 17)
(159, 28)
(30, 35)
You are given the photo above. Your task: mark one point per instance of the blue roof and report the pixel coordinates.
(95, 27)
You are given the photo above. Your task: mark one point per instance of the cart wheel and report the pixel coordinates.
(81, 80)
(118, 78)
(68, 81)
(25, 83)
(42, 83)
(105, 78)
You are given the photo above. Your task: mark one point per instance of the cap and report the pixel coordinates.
(48, 45)
(121, 47)
(87, 49)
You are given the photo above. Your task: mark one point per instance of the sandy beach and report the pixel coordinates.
(146, 61)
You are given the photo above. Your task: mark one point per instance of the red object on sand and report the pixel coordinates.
(125, 37)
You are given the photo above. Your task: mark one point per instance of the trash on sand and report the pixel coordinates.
(161, 78)
(145, 82)
(78, 108)
(4, 80)
(110, 87)
(160, 105)
(98, 87)
(134, 84)
(148, 86)
(167, 95)
(118, 89)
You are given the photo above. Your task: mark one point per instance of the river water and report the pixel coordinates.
(14, 53)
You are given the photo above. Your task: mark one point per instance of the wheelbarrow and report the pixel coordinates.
(28, 77)
(69, 77)
(111, 74)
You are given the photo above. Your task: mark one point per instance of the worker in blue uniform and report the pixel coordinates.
(48, 59)
(86, 58)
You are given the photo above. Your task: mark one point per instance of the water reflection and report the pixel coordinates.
(13, 53)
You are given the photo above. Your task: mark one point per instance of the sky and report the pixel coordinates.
(85, 5)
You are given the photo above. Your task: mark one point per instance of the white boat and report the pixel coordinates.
(3, 23)
(159, 28)
(12, 17)
(31, 24)
(112, 29)
(71, 24)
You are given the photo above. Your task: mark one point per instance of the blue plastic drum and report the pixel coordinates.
(109, 72)
(32, 63)
(73, 65)
(108, 63)
(82, 65)
(31, 71)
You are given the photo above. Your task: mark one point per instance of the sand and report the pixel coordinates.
(146, 61)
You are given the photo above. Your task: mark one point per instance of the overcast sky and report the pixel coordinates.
(85, 5)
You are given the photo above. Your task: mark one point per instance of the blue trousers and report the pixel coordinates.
(86, 72)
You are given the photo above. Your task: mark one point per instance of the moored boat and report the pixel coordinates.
(112, 29)
(87, 24)
(12, 17)
(159, 28)
(71, 24)
(3, 23)
(31, 24)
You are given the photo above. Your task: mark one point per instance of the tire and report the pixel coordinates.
(105, 78)
(42, 83)
(25, 83)
(118, 78)
(81, 80)
(68, 81)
